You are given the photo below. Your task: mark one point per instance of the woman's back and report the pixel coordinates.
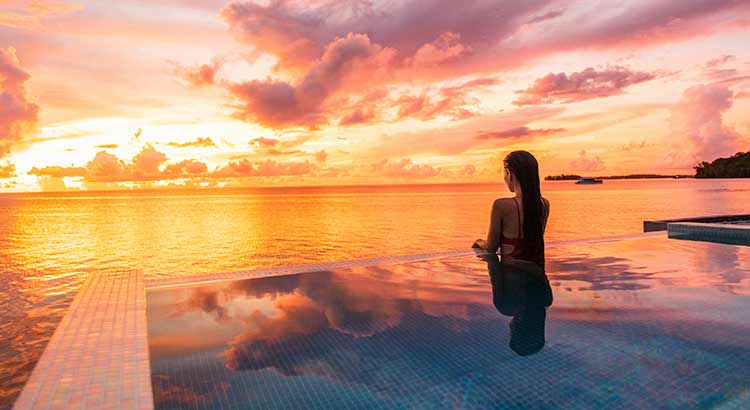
(511, 226)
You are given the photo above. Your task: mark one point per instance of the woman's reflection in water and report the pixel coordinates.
(520, 289)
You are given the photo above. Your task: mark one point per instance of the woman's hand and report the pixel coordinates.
(480, 243)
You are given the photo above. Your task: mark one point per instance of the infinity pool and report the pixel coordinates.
(646, 323)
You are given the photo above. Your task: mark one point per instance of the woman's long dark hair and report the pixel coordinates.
(525, 169)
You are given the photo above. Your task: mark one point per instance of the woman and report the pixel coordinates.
(517, 224)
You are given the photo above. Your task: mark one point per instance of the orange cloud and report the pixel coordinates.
(151, 165)
(199, 142)
(59, 172)
(7, 171)
(185, 168)
(406, 168)
(32, 14)
(579, 86)
(18, 115)
(267, 168)
(264, 142)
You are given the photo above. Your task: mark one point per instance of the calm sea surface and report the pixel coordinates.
(49, 243)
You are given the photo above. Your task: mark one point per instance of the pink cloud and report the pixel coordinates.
(446, 48)
(203, 74)
(586, 163)
(351, 61)
(719, 61)
(18, 115)
(317, 42)
(697, 123)
(358, 116)
(546, 16)
(297, 32)
(518, 132)
(278, 29)
(579, 86)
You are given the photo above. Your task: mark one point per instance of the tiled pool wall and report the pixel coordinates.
(727, 233)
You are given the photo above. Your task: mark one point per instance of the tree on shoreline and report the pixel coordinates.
(736, 166)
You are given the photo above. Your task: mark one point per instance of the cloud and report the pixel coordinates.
(697, 124)
(7, 171)
(468, 170)
(405, 168)
(185, 168)
(199, 142)
(518, 132)
(358, 116)
(446, 48)
(264, 142)
(267, 168)
(32, 15)
(59, 172)
(579, 86)
(321, 156)
(546, 16)
(719, 61)
(350, 61)
(586, 163)
(329, 52)
(152, 165)
(107, 146)
(18, 115)
(200, 75)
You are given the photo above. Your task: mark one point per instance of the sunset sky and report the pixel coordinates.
(144, 94)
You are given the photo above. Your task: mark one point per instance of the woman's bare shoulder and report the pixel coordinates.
(503, 204)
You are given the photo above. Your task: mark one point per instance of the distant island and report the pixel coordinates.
(573, 177)
(736, 166)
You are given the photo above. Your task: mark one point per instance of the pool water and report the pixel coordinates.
(644, 323)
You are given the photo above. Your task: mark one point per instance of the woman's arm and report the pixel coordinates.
(496, 227)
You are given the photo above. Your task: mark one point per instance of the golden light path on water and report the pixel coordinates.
(49, 243)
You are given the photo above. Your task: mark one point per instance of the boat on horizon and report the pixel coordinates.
(589, 181)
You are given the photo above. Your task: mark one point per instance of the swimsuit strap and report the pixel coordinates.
(518, 211)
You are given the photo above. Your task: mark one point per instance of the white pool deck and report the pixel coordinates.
(98, 356)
